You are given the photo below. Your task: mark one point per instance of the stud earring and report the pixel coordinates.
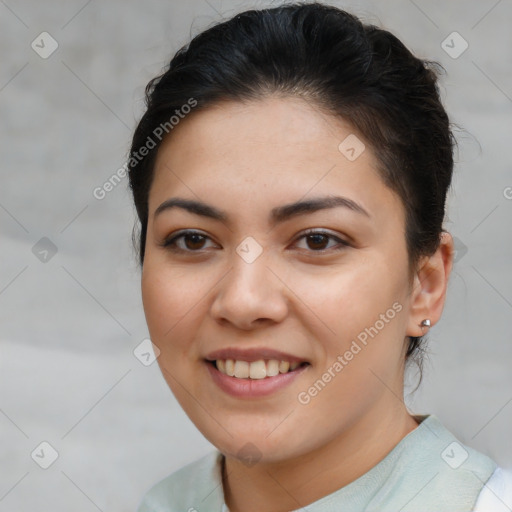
(425, 323)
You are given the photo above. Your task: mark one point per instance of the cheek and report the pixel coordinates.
(363, 304)
(347, 298)
(170, 301)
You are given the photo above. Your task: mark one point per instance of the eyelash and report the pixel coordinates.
(170, 243)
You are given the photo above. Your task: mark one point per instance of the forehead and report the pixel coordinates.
(279, 148)
(275, 126)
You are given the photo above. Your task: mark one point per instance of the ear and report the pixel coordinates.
(429, 287)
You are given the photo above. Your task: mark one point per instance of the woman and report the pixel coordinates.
(290, 176)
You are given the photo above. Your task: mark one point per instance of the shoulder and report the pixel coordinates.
(432, 457)
(496, 494)
(194, 486)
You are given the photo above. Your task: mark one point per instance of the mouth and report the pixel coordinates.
(254, 379)
(256, 370)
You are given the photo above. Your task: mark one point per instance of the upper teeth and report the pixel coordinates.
(256, 369)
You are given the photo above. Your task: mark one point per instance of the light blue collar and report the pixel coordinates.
(428, 470)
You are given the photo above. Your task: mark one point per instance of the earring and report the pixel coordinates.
(425, 323)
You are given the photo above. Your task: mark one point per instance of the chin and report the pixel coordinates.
(257, 446)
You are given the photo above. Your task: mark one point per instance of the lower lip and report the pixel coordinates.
(247, 388)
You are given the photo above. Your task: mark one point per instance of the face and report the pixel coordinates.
(322, 285)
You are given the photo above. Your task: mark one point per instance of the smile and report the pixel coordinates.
(256, 378)
(260, 369)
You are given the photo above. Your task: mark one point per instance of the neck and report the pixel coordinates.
(292, 484)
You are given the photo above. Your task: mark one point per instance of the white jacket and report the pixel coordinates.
(496, 495)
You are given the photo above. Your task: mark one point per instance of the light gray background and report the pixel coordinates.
(69, 326)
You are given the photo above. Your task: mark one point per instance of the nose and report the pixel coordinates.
(250, 295)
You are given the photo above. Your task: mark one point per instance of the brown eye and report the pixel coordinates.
(195, 241)
(186, 241)
(318, 241)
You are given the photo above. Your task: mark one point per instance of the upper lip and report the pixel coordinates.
(252, 354)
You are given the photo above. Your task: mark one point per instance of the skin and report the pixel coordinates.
(247, 159)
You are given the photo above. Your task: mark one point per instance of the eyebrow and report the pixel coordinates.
(278, 214)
